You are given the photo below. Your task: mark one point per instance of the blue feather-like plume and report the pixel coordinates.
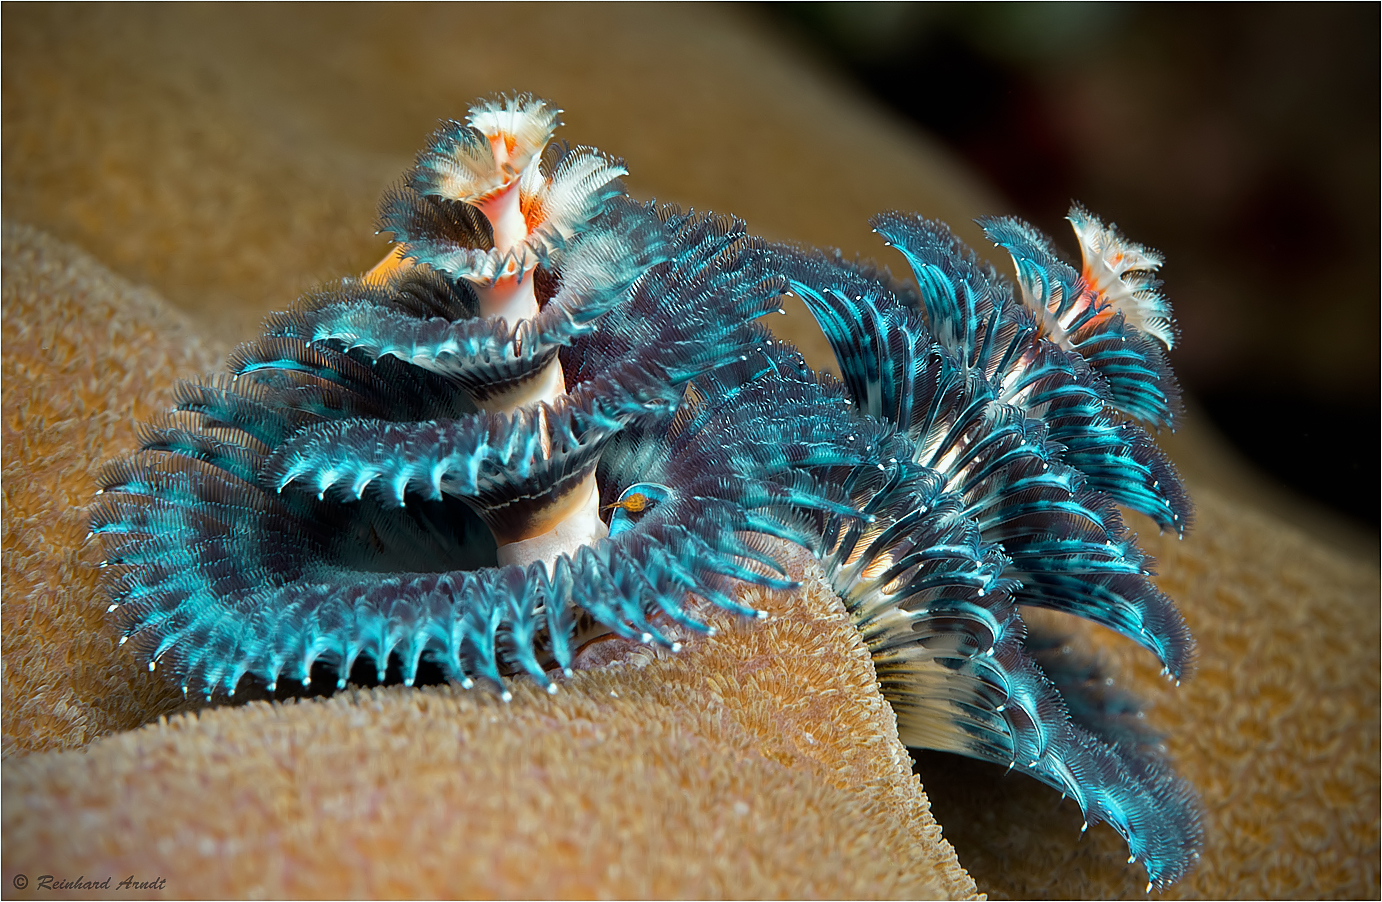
(389, 474)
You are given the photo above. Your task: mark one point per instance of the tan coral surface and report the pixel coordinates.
(227, 158)
(760, 764)
(86, 356)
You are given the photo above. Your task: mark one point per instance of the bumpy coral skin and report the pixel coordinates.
(393, 470)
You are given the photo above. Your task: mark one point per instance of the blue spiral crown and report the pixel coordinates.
(414, 465)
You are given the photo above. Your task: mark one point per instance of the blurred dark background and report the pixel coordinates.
(1242, 140)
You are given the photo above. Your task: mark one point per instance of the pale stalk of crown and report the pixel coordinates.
(513, 296)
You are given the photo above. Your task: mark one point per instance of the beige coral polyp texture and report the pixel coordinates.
(672, 780)
(86, 357)
(762, 764)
